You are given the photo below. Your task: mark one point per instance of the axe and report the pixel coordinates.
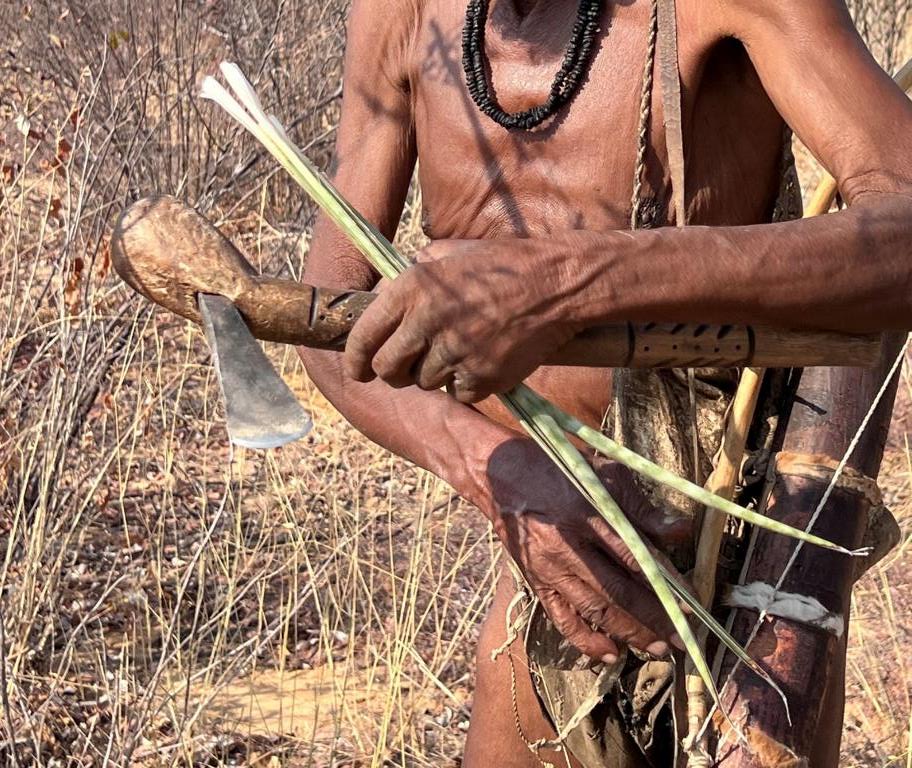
(173, 256)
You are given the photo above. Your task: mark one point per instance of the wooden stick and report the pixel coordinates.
(722, 481)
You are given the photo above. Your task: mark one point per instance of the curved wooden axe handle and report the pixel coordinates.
(170, 253)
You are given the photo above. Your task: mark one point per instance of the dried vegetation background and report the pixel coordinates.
(164, 601)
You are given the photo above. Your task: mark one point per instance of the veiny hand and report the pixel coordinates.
(586, 578)
(478, 316)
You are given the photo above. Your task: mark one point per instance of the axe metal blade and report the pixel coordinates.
(261, 411)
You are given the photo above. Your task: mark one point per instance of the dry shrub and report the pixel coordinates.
(884, 24)
(145, 566)
(150, 577)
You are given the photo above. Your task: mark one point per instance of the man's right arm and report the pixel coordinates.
(574, 561)
(374, 159)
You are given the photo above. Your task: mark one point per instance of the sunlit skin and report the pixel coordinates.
(529, 248)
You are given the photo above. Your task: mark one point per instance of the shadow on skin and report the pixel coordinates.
(566, 537)
(443, 62)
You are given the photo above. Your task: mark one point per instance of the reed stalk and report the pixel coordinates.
(653, 472)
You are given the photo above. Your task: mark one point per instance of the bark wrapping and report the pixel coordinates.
(806, 661)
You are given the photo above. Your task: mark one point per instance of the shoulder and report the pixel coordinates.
(380, 37)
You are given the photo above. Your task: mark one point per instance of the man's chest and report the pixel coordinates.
(578, 169)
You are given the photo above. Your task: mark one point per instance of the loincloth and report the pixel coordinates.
(620, 715)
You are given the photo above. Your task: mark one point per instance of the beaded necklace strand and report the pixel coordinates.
(566, 82)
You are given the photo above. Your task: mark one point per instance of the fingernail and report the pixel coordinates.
(677, 642)
(658, 648)
(610, 658)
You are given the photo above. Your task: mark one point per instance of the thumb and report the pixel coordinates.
(663, 527)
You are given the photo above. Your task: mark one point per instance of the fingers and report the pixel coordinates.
(434, 370)
(396, 359)
(368, 335)
(612, 544)
(612, 602)
(466, 389)
(391, 340)
(622, 606)
(405, 359)
(596, 626)
(649, 610)
(577, 632)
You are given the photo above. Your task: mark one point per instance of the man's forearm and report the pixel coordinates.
(430, 429)
(848, 271)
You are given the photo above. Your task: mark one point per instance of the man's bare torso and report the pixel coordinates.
(577, 172)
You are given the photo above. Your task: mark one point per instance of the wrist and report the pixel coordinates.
(592, 264)
(464, 450)
(559, 269)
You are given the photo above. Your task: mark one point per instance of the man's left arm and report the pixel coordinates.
(849, 271)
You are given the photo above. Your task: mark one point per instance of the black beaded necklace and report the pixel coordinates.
(566, 81)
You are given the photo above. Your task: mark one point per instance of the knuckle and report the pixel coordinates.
(384, 365)
(561, 621)
(563, 582)
(621, 626)
(633, 634)
(570, 629)
(545, 540)
(619, 550)
(584, 644)
(595, 614)
(447, 349)
(627, 560)
(431, 374)
(615, 589)
(356, 364)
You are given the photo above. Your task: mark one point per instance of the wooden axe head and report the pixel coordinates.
(170, 254)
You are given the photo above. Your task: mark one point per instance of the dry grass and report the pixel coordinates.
(164, 601)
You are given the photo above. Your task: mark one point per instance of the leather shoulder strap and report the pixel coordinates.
(670, 79)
